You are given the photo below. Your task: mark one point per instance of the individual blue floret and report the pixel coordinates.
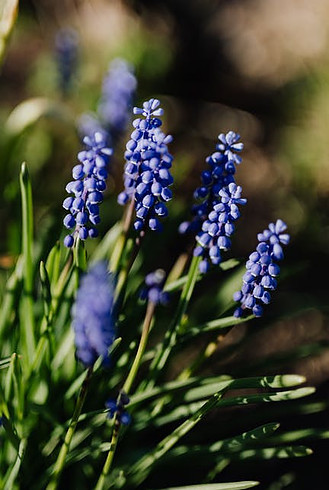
(153, 289)
(87, 189)
(89, 124)
(118, 407)
(262, 270)
(92, 315)
(220, 173)
(218, 227)
(147, 170)
(66, 52)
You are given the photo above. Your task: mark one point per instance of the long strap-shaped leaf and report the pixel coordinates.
(239, 485)
(203, 387)
(140, 470)
(27, 315)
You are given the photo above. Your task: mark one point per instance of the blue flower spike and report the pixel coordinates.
(66, 52)
(118, 92)
(147, 170)
(86, 190)
(153, 289)
(262, 270)
(92, 315)
(217, 229)
(113, 112)
(220, 173)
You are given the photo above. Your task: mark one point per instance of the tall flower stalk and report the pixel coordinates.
(86, 190)
(94, 328)
(154, 294)
(214, 225)
(147, 179)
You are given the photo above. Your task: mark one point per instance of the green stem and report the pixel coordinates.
(60, 462)
(141, 348)
(122, 240)
(126, 389)
(28, 335)
(62, 283)
(163, 354)
(123, 275)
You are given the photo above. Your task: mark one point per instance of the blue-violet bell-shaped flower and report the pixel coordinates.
(220, 173)
(86, 189)
(218, 227)
(113, 112)
(153, 289)
(92, 315)
(147, 169)
(262, 270)
(66, 52)
(118, 407)
(119, 86)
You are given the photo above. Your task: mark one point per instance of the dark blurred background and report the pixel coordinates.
(260, 68)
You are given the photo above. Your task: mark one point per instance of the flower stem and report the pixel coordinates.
(163, 354)
(119, 248)
(60, 463)
(126, 389)
(123, 275)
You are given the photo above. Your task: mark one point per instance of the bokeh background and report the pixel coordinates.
(260, 68)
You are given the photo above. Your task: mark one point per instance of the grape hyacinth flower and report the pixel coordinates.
(114, 108)
(153, 290)
(147, 175)
(222, 167)
(118, 92)
(262, 270)
(92, 315)
(87, 189)
(66, 51)
(118, 407)
(218, 227)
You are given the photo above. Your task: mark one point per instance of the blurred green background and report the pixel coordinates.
(260, 68)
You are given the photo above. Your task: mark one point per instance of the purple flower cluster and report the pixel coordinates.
(153, 290)
(262, 270)
(218, 227)
(222, 165)
(118, 92)
(66, 51)
(147, 169)
(118, 407)
(87, 189)
(93, 321)
(114, 108)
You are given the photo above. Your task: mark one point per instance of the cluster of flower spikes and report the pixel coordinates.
(153, 289)
(218, 227)
(118, 407)
(92, 315)
(87, 188)
(147, 169)
(222, 165)
(262, 270)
